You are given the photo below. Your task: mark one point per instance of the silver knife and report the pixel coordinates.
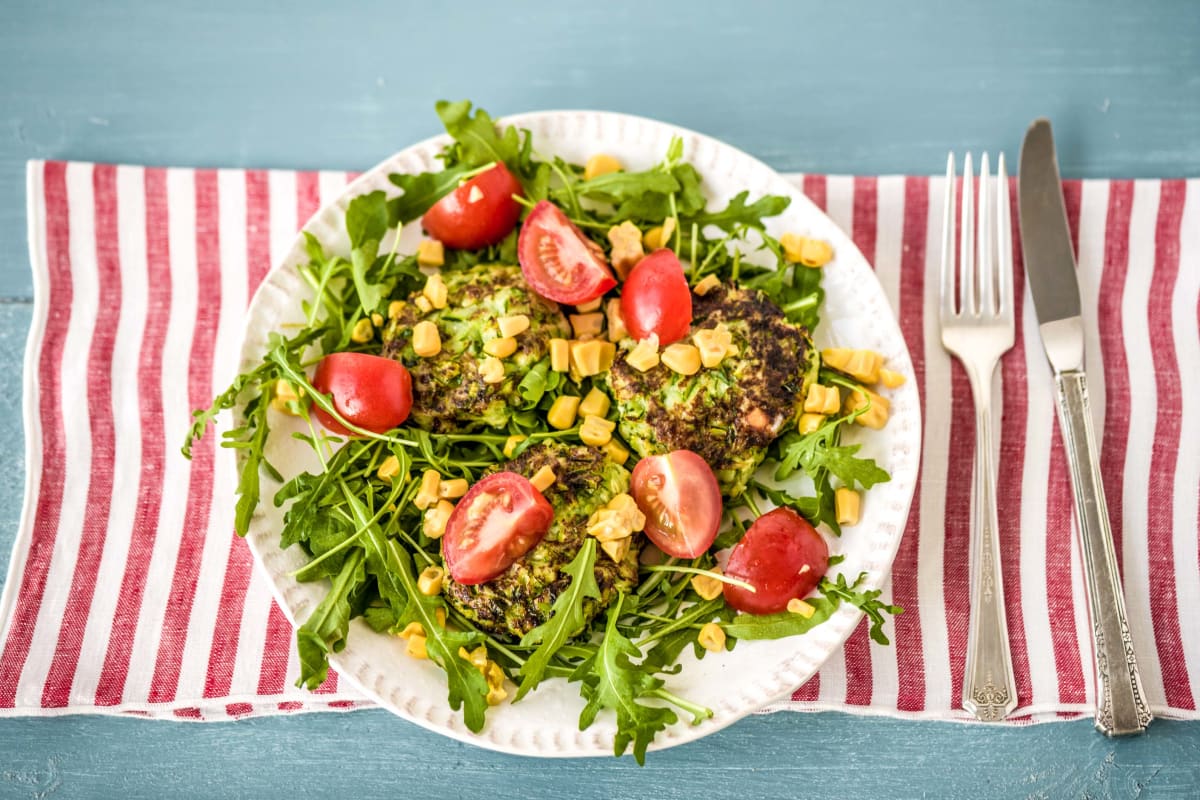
(1121, 707)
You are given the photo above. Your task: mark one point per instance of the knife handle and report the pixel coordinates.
(1121, 707)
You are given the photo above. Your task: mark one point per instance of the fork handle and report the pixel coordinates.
(1121, 707)
(989, 687)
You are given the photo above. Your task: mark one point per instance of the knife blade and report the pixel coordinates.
(1121, 707)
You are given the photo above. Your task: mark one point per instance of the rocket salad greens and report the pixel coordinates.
(364, 517)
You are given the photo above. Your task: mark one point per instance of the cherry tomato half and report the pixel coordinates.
(680, 497)
(499, 520)
(656, 298)
(558, 261)
(782, 556)
(479, 213)
(371, 392)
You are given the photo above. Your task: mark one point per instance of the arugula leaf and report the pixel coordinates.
(366, 223)
(422, 191)
(566, 617)
(476, 140)
(785, 623)
(868, 601)
(737, 214)
(325, 630)
(819, 450)
(610, 679)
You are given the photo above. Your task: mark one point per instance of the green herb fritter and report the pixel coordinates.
(728, 415)
(449, 391)
(518, 600)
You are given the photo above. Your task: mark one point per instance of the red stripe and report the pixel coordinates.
(195, 523)
(226, 635)
(291, 705)
(111, 687)
(1008, 480)
(53, 436)
(857, 649)
(188, 713)
(56, 691)
(239, 709)
(308, 196)
(810, 691)
(1060, 537)
(910, 649)
(330, 686)
(1112, 346)
(1164, 602)
(275, 652)
(814, 187)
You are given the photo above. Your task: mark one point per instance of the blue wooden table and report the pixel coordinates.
(833, 87)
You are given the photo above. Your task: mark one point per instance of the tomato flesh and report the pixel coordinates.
(479, 213)
(656, 298)
(558, 261)
(369, 391)
(680, 497)
(499, 520)
(782, 556)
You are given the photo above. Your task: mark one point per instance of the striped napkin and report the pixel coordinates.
(128, 592)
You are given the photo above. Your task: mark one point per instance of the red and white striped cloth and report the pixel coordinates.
(128, 592)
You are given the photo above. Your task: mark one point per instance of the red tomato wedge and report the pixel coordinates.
(782, 556)
(656, 298)
(479, 213)
(499, 520)
(680, 497)
(558, 261)
(371, 392)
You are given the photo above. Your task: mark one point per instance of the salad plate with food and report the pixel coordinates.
(572, 433)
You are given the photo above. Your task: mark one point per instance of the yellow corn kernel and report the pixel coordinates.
(792, 243)
(510, 444)
(436, 518)
(587, 326)
(491, 370)
(616, 452)
(659, 236)
(416, 647)
(600, 164)
(426, 340)
(562, 414)
(396, 308)
(708, 587)
(431, 253)
(862, 365)
(422, 303)
(377, 319)
(500, 348)
(362, 332)
(595, 403)
(389, 469)
(801, 607)
(714, 344)
(627, 249)
(682, 358)
(435, 289)
(616, 322)
(477, 657)
(846, 504)
(496, 695)
(706, 285)
(891, 379)
(803, 250)
(712, 638)
(427, 492)
(810, 422)
(543, 479)
(439, 614)
(493, 674)
(412, 629)
(875, 417)
(560, 355)
(616, 549)
(429, 582)
(822, 399)
(512, 325)
(596, 431)
(644, 356)
(592, 357)
(452, 489)
(622, 502)
(590, 306)
(286, 398)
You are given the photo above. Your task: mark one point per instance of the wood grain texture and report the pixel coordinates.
(868, 87)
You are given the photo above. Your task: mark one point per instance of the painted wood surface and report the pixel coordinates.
(869, 87)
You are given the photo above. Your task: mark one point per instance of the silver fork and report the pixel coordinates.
(977, 327)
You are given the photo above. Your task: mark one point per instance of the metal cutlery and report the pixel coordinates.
(977, 327)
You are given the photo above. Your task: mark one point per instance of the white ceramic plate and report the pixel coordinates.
(732, 684)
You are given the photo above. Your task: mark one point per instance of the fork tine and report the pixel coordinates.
(1004, 241)
(987, 253)
(947, 295)
(966, 263)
